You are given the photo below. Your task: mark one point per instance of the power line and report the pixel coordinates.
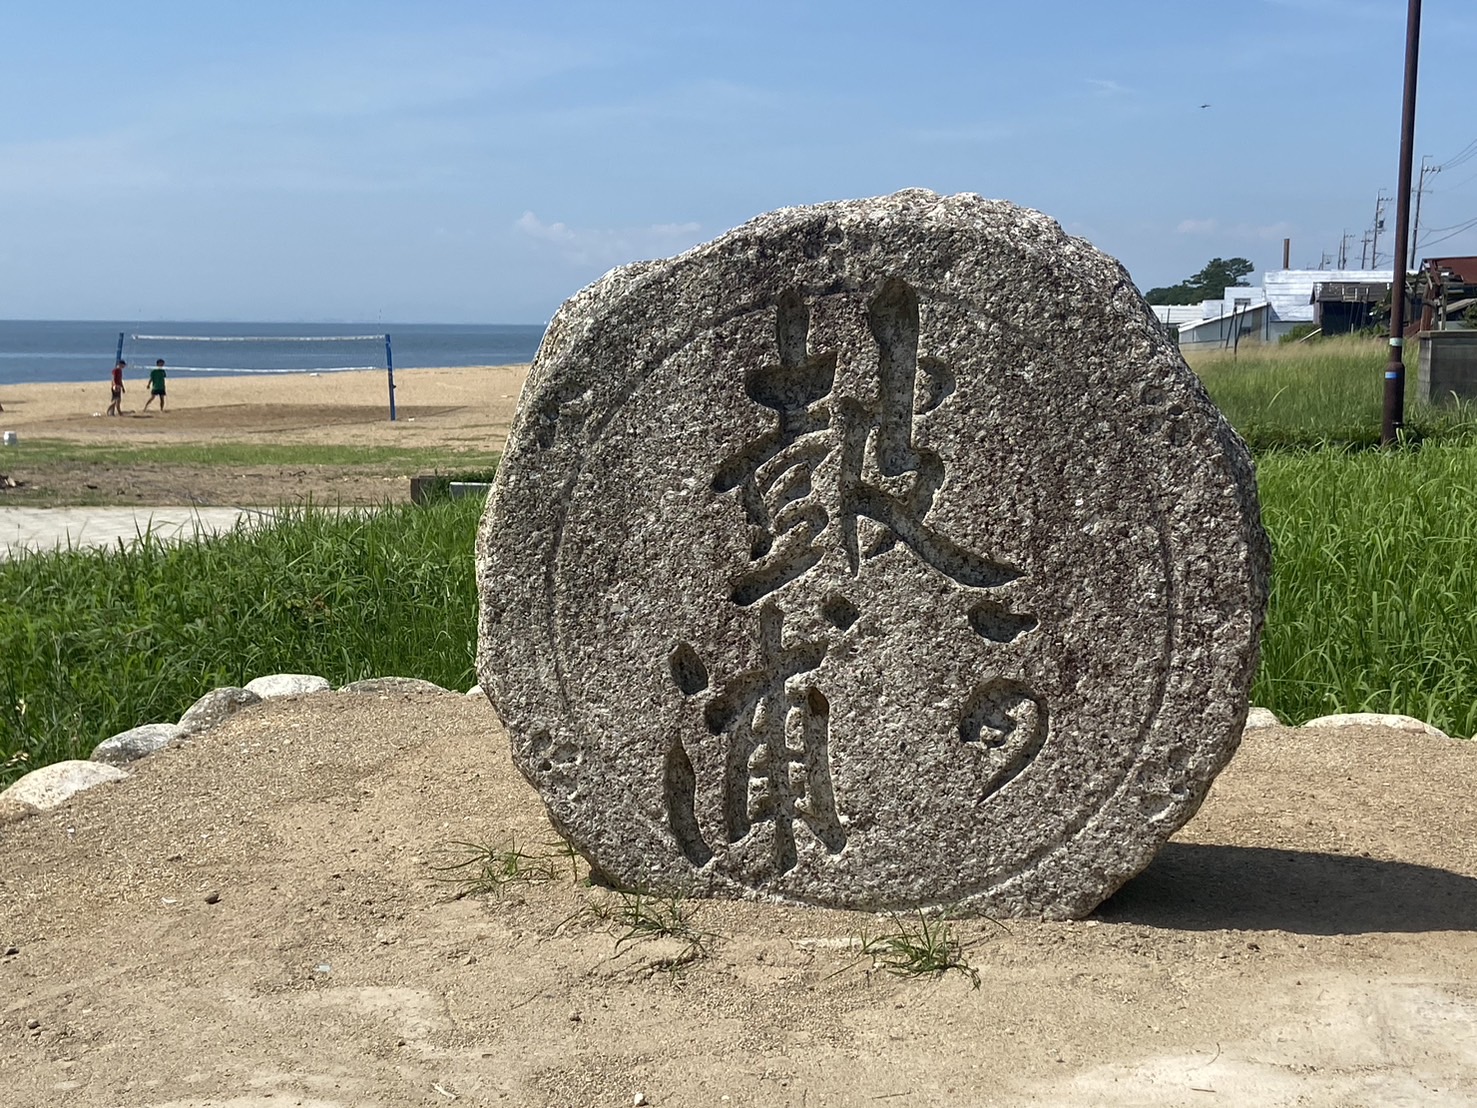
(1465, 154)
(1455, 231)
(1453, 227)
(1451, 188)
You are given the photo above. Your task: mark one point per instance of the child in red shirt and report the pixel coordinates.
(116, 407)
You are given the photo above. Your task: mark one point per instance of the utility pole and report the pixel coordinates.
(1415, 231)
(1344, 250)
(1394, 406)
(1379, 225)
(1364, 252)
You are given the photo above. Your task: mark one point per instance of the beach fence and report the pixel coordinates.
(264, 353)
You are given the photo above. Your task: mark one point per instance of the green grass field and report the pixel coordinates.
(1374, 583)
(412, 459)
(1317, 394)
(95, 642)
(1375, 552)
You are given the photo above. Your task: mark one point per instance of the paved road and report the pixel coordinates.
(49, 528)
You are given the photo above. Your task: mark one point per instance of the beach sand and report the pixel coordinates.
(263, 916)
(463, 408)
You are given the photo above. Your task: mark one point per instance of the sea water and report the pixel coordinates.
(84, 350)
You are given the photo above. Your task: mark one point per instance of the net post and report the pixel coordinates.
(390, 375)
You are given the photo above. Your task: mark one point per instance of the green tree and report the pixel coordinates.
(1218, 275)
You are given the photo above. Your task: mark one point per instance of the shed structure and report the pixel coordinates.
(1286, 298)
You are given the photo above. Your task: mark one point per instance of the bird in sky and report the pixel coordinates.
(1205, 105)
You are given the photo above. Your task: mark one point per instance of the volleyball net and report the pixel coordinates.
(249, 355)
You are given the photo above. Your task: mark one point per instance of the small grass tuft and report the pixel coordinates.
(648, 917)
(478, 868)
(645, 917)
(914, 950)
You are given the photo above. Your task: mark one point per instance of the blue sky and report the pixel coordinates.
(481, 161)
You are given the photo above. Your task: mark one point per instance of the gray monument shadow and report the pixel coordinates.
(1199, 887)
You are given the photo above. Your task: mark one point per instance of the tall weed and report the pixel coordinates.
(1327, 393)
(95, 642)
(1374, 584)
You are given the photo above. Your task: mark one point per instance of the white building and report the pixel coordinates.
(1286, 298)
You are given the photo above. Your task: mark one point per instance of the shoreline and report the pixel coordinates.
(140, 371)
(464, 407)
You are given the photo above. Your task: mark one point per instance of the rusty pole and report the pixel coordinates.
(1394, 410)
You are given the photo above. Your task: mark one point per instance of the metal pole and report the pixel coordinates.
(390, 374)
(1415, 231)
(1379, 221)
(1394, 408)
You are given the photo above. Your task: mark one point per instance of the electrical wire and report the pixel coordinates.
(1465, 154)
(1455, 231)
(1452, 227)
(1450, 188)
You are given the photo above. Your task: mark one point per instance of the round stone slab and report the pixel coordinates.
(877, 554)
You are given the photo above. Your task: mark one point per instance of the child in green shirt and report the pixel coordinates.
(156, 385)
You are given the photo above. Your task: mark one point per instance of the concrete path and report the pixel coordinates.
(49, 528)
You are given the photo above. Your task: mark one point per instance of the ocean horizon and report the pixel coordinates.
(35, 350)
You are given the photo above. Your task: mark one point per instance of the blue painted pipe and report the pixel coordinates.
(390, 373)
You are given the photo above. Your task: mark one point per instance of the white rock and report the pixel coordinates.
(1261, 717)
(135, 743)
(1377, 719)
(475, 690)
(287, 684)
(393, 685)
(213, 708)
(52, 785)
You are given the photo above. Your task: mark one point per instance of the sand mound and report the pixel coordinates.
(256, 918)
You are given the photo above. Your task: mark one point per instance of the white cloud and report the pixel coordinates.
(1102, 87)
(1197, 227)
(532, 226)
(608, 246)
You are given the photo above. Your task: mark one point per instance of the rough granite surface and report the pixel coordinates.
(214, 708)
(392, 686)
(135, 743)
(878, 554)
(1377, 719)
(287, 684)
(1261, 717)
(51, 786)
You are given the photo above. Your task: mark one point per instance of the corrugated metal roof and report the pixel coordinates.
(1214, 309)
(1290, 291)
(1463, 268)
(1177, 313)
(1246, 317)
(1351, 292)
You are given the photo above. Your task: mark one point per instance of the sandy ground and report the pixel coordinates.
(448, 410)
(470, 406)
(256, 919)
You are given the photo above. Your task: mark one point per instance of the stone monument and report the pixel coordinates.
(879, 554)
